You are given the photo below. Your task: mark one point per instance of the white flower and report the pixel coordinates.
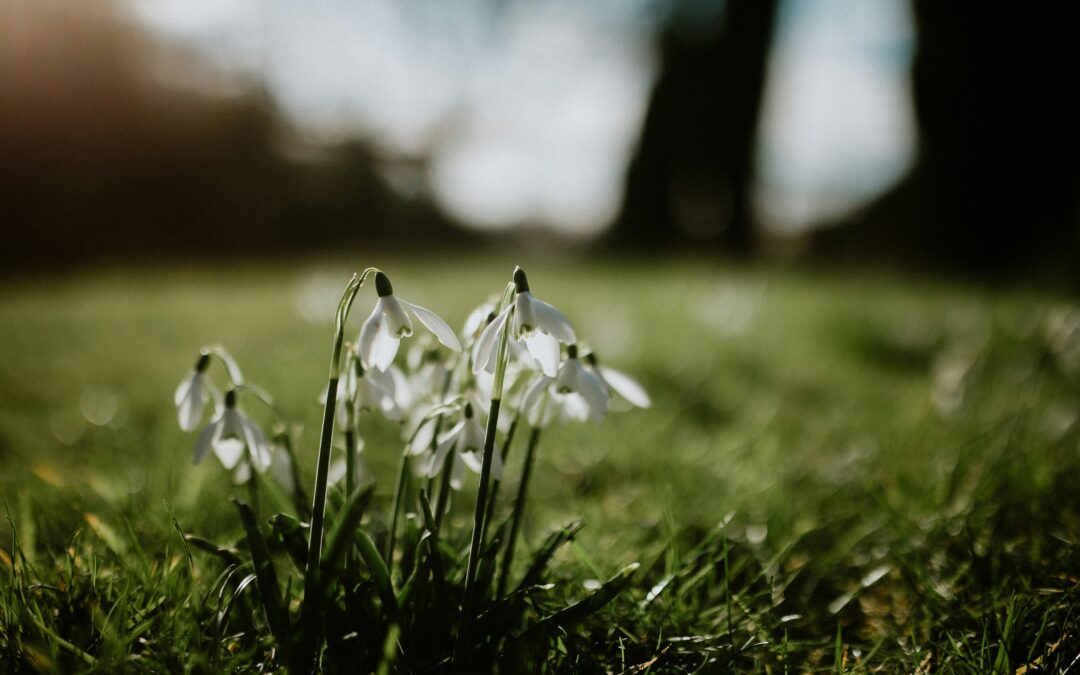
(381, 333)
(618, 382)
(193, 394)
(229, 434)
(466, 440)
(377, 390)
(575, 393)
(534, 322)
(366, 390)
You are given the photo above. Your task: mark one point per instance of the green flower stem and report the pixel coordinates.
(464, 638)
(312, 609)
(444, 488)
(253, 487)
(515, 526)
(519, 511)
(350, 461)
(495, 484)
(399, 497)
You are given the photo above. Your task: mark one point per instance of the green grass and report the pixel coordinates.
(837, 474)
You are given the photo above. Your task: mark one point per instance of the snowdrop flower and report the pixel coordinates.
(381, 333)
(229, 434)
(618, 382)
(466, 440)
(366, 390)
(193, 394)
(536, 323)
(377, 390)
(575, 392)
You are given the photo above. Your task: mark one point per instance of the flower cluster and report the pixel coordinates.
(459, 404)
(439, 396)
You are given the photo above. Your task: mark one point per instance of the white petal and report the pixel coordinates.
(421, 440)
(205, 441)
(625, 386)
(281, 469)
(230, 365)
(185, 385)
(567, 380)
(229, 451)
(477, 318)
(242, 473)
(434, 323)
(594, 392)
(191, 407)
(457, 474)
(535, 394)
(439, 457)
(525, 321)
(574, 407)
(452, 434)
(258, 446)
(396, 320)
(336, 472)
(543, 413)
(473, 460)
(545, 349)
(367, 334)
(553, 321)
(472, 436)
(486, 348)
(384, 348)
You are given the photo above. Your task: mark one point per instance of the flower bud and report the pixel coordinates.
(521, 282)
(382, 285)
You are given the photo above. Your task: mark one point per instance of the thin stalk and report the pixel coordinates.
(464, 634)
(444, 488)
(311, 610)
(495, 484)
(519, 510)
(350, 461)
(253, 488)
(399, 497)
(464, 638)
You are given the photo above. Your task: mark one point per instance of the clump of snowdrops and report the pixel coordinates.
(404, 591)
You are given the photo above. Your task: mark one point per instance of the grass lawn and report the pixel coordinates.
(838, 473)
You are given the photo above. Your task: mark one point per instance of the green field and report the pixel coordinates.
(838, 473)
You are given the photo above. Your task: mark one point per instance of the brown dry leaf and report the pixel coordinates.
(1037, 663)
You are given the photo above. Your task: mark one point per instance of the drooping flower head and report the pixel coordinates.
(533, 322)
(466, 440)
(193, 394)
(389, 322)
(627, 388)
(229, 434)
(574, 393)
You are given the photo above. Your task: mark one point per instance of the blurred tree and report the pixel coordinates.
(995, 188)
(691, 177)
(103, 160)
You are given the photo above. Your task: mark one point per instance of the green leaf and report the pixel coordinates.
(379, 573)
(435, 555)
(292, 535)
(580, 611)
(543, 556)
(230, 556)
(341, 534)
(486, 570)
(269, 593)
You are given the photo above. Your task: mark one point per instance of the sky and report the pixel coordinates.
(531, 110)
